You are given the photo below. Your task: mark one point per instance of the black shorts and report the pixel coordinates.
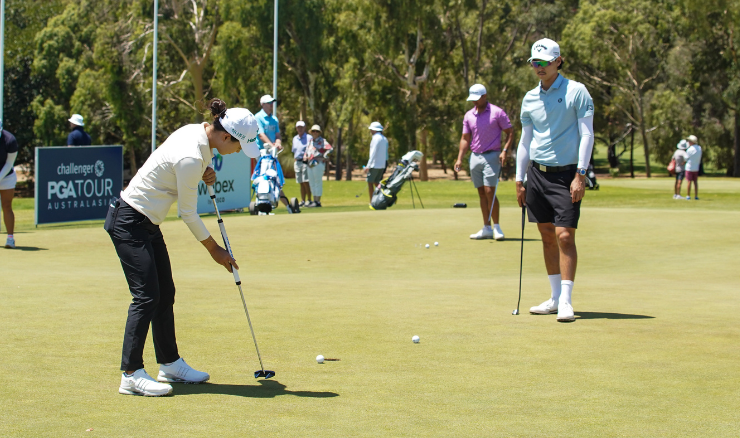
(549, 200)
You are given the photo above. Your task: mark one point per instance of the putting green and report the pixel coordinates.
(653, 351)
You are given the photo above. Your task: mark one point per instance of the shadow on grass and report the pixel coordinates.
(267, 389)
(604, 315)
(517, 239)
(30, 248)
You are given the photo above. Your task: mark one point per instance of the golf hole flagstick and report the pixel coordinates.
(261, 372)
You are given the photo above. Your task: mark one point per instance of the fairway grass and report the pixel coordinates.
(652, 353)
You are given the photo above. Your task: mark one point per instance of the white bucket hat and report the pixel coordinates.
(545, 49)
(242, 125)
(316, 128)
(375, 126)
(692, 139)
(476, 92)
(267, 99)
(77, 120)
(682, 145)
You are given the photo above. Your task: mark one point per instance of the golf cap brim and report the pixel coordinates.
(475, 97)
(543, 58)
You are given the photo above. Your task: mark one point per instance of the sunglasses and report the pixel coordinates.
(536, 64)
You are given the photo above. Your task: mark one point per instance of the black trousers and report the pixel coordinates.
(146, 264)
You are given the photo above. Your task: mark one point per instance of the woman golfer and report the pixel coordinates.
(171, 173)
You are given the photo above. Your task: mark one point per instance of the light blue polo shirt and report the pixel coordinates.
(267, 125)
(554, 114)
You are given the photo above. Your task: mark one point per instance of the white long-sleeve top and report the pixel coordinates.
(378, 152)
(172, 173)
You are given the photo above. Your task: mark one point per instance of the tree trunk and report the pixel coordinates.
(423, 174)
(632, 152)
(736, 170)
(132, 160)
(348, 156)
(338, 157)
(196, 75)
(643, 132)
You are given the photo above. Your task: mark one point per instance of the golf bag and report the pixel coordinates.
(267, 182)
(385, 193)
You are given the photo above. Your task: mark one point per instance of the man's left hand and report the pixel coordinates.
(502, 157)
(279, 144)
(209, 176)
(578, 188)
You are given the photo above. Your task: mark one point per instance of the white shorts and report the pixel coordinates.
(485, 168)
(8, 183)
(301, 171)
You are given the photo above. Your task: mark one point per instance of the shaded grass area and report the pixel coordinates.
(343, 196)
(652, 352)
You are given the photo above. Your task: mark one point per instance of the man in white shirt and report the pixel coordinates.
(693, 162)
(378, 158)
(300, 143)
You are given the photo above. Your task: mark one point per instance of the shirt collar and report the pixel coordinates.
(488, 108)
(555, 85)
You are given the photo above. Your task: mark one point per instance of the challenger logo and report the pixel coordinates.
(99, 168)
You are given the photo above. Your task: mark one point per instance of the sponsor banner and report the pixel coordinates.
(77, 183)
(233, 183)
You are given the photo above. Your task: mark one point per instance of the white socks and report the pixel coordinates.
(487, 227)
(566, 287)
(497, 227)
(555, 281)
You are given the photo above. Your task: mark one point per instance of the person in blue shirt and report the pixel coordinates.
(78, 136)
(554, 152)
(268, 136)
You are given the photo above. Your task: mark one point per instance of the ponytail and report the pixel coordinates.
(218, 111)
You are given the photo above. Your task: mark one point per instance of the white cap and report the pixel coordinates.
(266, 99)
(545, 49)
(300, 123)
(476, 92)
(76, 119)
(242, 125)
(315, 128)
(692, 139)
(375, 126)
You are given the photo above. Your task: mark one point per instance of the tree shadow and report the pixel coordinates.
(30, 248)
(605, 315)
(517, 239)
(267, 389)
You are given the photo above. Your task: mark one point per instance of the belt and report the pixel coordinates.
(487, 152)
(553, 169)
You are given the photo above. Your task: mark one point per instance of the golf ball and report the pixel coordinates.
(436, 243)
(320, 359)
(415, 339)
(426, 246)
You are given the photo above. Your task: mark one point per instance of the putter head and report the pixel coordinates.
(515, 312)
(264, 373)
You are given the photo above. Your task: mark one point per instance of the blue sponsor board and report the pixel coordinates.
(233, 183)
(77, 183)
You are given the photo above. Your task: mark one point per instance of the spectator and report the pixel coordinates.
(78, 136)
(692, 165)
(300, 142)
(680, 157)
(315, 156)
(8, 178)
(377, 162)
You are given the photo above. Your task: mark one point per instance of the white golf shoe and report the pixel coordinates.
(565, 313)
(140, 383)
(180, 372)
(10, 242)
(545, 308)
(498, 234)
(482, 234)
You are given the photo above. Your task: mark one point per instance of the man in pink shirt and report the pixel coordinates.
(482, 127)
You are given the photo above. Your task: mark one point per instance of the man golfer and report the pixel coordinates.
(482, 127)
(377, 161)
(171, 173)
(554, 152)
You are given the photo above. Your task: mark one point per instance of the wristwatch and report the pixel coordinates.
(582, 172)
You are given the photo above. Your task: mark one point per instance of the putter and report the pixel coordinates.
(262, 372)
(521, 259)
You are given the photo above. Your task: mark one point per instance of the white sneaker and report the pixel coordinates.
(180, 372)
(482, 234)
(565, 313)
(10, 243)
(545, 308)
(140, 383)
(676, 196)
(497, 233)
